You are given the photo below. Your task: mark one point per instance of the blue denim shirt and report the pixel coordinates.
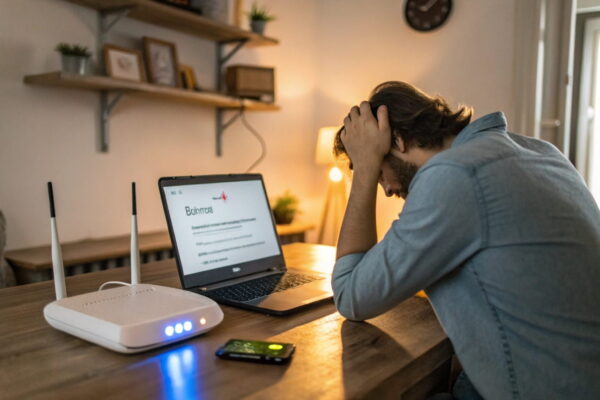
(502, 233)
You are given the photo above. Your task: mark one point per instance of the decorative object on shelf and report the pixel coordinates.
(123, 63)
(259, 16)
(187, 5)
(188, 77)
(251, 82)
(238, 7)
(161, 62)
(428, 15)
(75, 58)
(285, 208)
(336, 187)
(214, 9)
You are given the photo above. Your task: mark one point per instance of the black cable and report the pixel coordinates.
(263, 144)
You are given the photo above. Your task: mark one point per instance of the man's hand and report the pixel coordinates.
(366, 139)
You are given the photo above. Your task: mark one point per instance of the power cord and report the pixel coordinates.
(263, 144)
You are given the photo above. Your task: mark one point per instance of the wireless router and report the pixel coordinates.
(132, 318)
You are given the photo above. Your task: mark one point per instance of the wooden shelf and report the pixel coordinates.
(179, 20)
(103, 83)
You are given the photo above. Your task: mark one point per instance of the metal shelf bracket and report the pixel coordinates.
(222, 126)
(106, 107)
(107, 19)
(222, 58)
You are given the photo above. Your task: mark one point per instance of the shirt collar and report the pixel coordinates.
(495, 120)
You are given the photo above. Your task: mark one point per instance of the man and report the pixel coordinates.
(499, 229)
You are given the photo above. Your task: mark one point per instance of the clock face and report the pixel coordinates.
(427, 15)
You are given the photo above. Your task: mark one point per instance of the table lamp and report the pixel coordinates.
(335, 200)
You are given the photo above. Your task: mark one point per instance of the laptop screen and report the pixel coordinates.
(221, 227)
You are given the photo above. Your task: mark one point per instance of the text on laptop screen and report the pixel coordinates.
(220, 224)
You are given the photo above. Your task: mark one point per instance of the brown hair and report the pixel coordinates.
(418, 118)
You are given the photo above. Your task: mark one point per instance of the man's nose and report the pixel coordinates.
(387, 188)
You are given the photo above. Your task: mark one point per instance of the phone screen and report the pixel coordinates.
(259, 348)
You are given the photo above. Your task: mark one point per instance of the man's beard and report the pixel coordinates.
(404, 172)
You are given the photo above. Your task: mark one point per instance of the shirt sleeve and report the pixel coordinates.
(439, 228)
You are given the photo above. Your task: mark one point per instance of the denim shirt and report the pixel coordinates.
(502, 233)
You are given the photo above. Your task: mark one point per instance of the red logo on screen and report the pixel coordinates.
(223, 197)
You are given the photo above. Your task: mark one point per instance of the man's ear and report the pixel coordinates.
(399, 145)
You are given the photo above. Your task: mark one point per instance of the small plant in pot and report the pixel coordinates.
(75, 58)
(259, 16)
(285, 208)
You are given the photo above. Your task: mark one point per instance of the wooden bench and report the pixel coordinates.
(34, 264)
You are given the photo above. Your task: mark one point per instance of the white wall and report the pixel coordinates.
(50, 133)
(363, 43)
(332, 53)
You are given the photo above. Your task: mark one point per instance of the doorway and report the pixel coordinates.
(585, 148)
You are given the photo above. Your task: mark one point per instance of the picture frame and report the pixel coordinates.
(161, 62)
(123, 63)
(188, 77)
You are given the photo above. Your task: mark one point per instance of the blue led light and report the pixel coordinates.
(169, 330)
(187, 326)
(178, 328)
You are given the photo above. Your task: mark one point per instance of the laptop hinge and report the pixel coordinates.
(229, 282)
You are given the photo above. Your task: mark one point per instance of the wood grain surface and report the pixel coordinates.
(401, 354)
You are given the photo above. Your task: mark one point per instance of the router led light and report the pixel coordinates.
(178, 328)
(202, 321)
(187, 326)
(169, 330)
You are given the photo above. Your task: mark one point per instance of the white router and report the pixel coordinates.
(132, 318)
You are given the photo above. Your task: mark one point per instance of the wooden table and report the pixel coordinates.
(34, 264)
(401, 354)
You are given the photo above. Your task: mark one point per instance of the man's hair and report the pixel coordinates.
(418, 118)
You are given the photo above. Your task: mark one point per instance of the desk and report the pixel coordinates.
(401, 354)
(34, 264)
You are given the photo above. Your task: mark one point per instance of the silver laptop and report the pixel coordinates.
(227, 248)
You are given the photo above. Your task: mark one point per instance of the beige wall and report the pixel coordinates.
(363, 43)
(332, 53)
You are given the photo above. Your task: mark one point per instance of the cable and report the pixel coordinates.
(263, 145)
(113, 283)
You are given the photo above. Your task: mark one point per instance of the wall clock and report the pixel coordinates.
(427, 15)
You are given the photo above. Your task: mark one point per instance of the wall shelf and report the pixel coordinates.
(111, 90)
(103, 83)
(180, 20)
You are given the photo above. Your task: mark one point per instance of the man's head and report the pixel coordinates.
(421, 125)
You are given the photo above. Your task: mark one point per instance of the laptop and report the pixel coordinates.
(227, 248)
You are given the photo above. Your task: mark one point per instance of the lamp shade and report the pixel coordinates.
(324, 151)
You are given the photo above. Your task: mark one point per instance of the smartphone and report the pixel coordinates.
(256, 351)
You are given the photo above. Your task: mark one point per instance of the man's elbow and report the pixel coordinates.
(347, 308)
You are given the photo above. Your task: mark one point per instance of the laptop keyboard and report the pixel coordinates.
(256, 288)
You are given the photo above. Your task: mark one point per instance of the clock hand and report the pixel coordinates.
(426, 7)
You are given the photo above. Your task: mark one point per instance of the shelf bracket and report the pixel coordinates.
(107, 19)
(222, 126)
(223, 58)
(106, 107)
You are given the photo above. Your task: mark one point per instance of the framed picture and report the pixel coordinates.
(161, 62)
(188, 77)
(123, 63)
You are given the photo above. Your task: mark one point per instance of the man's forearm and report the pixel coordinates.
(358, 232)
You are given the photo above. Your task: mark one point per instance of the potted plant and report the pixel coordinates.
(285, 208)
(75, 58)
(259, 16)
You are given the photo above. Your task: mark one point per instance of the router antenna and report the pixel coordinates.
(57, 261)
(135, 251)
